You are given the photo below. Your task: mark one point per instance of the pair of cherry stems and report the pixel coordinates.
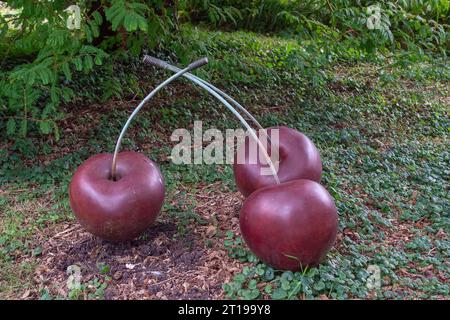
(217, 93)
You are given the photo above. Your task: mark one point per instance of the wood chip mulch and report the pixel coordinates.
(158, 265)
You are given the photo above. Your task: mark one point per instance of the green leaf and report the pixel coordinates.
(250, 294)
(67, 94)
(227, 288)
(45, 127)
(56, 131)
(54, 95)
(246, 271)
(285, 285)
(78, 63)
(95, 30)
(45, 295)
(269, 274)
(319, 286)
(97, 17)
(103, 268)
(240, 278)
(98, 60)
(37, 251)
(88, 63)
(66, 71)
(252, 284)
(287, 275)
(279, 294)
(130, 23)
(23, 127)
(10, 127)
(118, 19)
(43, 74)
(142, 22)
(88, 33)
(49, 108)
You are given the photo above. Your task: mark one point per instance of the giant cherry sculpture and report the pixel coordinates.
(117, 196)
(288, 225)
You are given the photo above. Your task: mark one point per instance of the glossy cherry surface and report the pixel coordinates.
(122, 209)
(290, 225)
(298, 159)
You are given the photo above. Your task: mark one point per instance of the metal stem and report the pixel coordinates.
(210, 88)
(192, 66)
(165, 65)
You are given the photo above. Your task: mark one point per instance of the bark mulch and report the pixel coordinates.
(161, 264)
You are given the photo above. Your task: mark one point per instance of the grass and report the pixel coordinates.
(381, 127)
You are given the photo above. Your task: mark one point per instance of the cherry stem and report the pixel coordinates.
(220, 96)
(165, 65)
(192, 66)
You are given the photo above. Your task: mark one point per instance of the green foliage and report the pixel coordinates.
(259, 280)
(410, 23)
(103, 268)
(381, 128)
(129, 15)
(216, 12)
(42, 60)
(378, 116)
(41, 56)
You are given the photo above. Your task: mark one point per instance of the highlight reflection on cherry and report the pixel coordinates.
(291, 225)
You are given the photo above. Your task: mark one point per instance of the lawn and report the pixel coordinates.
(381, 127)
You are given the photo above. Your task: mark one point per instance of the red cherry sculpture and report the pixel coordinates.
(122, 209)
(298, 156)
(291, 225)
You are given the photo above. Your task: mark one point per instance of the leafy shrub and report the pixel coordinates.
(40, 56)
(45, 64)
(405, 23)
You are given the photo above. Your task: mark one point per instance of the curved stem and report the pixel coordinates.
(190, 67)
(165, 65)
(230, 99)
(208, 87)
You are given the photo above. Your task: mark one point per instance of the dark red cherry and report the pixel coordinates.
(122, 209)
(291, 225)
(299, 159)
